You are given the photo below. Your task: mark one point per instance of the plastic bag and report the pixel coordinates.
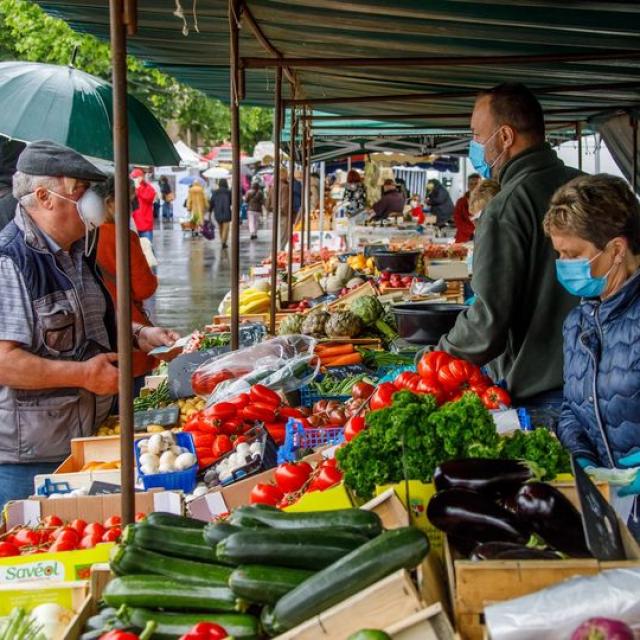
(228, 375)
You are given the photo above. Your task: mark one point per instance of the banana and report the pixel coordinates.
(257, 306)
(253, 297)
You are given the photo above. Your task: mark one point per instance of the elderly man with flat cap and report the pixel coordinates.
(58, 373)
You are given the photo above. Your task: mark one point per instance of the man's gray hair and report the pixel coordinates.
(25, 184)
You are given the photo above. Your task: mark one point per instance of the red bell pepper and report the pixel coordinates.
(206, 631)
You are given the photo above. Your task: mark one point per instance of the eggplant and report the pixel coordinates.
(552, 516)
(511, 551)
(473, 516)
(491, 476)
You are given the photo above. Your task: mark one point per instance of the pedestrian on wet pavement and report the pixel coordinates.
(221, 208)
(197, 204)
(145, 197)
(255, 202)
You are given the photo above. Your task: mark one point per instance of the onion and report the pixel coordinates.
(602, 629)
(53, 618)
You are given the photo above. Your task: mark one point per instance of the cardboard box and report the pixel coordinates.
(28, 595)
(448, 269)
(99, 578)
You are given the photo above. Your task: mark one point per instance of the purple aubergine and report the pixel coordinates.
(552, 516)
(511, 551)
(473, 516)
(493, 477)
(602, 629)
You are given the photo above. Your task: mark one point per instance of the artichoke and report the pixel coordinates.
(291, 325)
(343, 323)
(371, 313)
(313, 324)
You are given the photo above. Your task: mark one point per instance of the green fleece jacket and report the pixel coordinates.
(515, 324)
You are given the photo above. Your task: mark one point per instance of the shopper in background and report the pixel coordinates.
(439, 200)
(145, 197)
(221, 208)
(283, 232)
(9, 152)
(143, 281)
(255, 203)
(461, 216)
(594, 224)
(354, 202)
(480, 197)
(197, 204)
(167, 197)
(392, 201)
(515, 324)
(314, 192)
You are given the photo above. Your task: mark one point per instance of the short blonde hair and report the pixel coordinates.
(482, 195)
(596, 209)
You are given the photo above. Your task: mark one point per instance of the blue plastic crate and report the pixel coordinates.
(308, 397)
(173, 480)
(389, 374)
(297, 437)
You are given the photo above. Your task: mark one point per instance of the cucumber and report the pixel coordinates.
(265, 585)
(365, 523)
(299, 549)
(171, 541)
(397, 549)
(170, 594)
(172, 520)
(171, 626)
(132, 560)
(214, 533)
(369, 634)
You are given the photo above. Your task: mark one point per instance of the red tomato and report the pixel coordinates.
(327, 477)
(265, 494)
(382, 396)
(63, 545)
(94, 528)
(112, 534)
(329, 462)
(52, 521)
(79, 526)
(424, 386)
(88, 542)
(69, 535)
(277, 430)
(231, 426)
(290, 412)
(221, 445)
(291, 477)
(264, 395)
(113, 521)
(205, 461)
(362, 390)
(455, 375)
(221, 411)
(206, 631)
(496, 397)
(258, 411)
(26, 538)
(405, 379)
(118, 634)
(241, 401)
(430, 363)
(203, 440)
(353, 427)
(8, 550)
(204, 383)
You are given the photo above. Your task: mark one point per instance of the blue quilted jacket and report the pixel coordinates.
(601, 411)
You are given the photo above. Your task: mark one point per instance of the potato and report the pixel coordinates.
(154, 428)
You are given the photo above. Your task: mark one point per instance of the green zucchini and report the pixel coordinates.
(171, 626)
(169, 594)
(172, 520)
(369, 634)
(214, 533)
(393, 550)
(133, 560)
(299, 549)
(365, 523)
(171, 541)
(265, 585)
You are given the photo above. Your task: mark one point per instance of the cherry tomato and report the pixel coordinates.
(430, 363)
(88, 542)
(221, 411)
(113, 521)
(94, 528)
(52, 521)
(265, 494)
(140, 516)
(69, 535)
(78, 525)
(263, 395)
(26, 538)
(327, 478)
(112, 534)
(496, 397)
(7, 550)
(291, 477)
(382, 396)
(353, 427)
(63, 545)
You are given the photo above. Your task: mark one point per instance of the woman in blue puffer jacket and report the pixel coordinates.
(594, 224)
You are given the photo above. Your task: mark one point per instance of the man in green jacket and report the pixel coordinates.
(515, 324)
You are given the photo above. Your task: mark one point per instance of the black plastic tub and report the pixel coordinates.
(396, 261)
(424, 322)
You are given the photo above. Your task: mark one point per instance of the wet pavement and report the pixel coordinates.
(194, 274)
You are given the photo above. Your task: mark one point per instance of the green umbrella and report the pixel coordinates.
(68, 106)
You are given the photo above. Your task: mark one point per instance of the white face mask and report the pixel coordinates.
(92, 212)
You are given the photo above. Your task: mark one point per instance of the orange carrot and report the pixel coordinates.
(337, 350)
(341, 360)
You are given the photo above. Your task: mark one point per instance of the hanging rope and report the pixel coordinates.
(195, 16)
(179, 13)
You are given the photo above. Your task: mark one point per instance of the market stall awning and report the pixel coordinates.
(582, 57)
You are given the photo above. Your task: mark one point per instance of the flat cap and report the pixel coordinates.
(46, 158)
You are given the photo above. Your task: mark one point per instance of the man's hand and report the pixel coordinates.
(101, 377)
(152, 337)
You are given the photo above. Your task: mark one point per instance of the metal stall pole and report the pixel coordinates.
(579, 138)
(234, 106)
(321, 190)
(123, 259)
(303, 190)
(308, 192)
(277, 128)
(634, 159)
(292, 167)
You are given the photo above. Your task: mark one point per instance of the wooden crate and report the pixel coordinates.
(473, 585)
(431, 623)
(366, 289)
(100, 577)
(382, 604)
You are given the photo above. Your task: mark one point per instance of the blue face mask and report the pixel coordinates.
(476, 156)
(575, 276)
